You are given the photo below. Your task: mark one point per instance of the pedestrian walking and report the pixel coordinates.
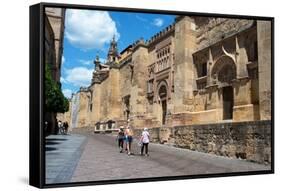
(65, 127)
(46, 126)
(60, 126)
(144, 140)
(128, 139)
(120, 139)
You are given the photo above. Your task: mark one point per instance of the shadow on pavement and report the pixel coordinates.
(55, 139)
(51, 143)
(50, 149)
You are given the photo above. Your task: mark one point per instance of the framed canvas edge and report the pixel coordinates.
(36, 138)
(37, 88)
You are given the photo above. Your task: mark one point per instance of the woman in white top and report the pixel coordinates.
(145, 141)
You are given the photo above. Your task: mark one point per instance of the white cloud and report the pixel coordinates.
(62, 60)
(62, 80)
(85, 62)
(79, 76)
(158, 22)
(67, 93)
(87, 29)
(141, 18)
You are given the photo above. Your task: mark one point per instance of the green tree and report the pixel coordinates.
(54, 98)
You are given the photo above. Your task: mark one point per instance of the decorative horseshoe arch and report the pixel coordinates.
(224, 72)
(224, 69)
(162, 90)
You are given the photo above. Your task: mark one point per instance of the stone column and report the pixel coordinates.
(209, 64)
(241, 58)
(138, 100)
(96, 111)
(115, 104)
(264, 67)
(185, 43)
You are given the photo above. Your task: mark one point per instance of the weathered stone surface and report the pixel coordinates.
(264, 51)
(245, 140)
(212, 30)
(131, 89)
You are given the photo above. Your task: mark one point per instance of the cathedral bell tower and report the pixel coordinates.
(112, 55)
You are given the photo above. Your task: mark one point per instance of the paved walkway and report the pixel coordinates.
(101, 160)
(75, 158)
(62, 155)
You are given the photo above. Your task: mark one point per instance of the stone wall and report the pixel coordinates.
(56, 17)
(153, 132)
(244, 140)
(83, 109)
(125, 81)
(211, 30)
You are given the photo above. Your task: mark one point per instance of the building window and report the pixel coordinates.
(253, 73)
(150, 86)
(162, 59)
(201, 84)
(202, 69)
(255, 51)
(98, 126)
(109, 125)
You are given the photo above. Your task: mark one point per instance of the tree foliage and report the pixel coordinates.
(54, 98)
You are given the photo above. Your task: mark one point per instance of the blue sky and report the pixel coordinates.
(89, 32)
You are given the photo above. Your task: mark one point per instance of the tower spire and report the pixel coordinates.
(113, 51)
(113, 38)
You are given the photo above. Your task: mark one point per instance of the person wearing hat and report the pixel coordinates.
(145, 141)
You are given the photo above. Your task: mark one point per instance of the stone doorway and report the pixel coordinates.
(163, 99)
(164, 111)
(126, 104)
(227, 94)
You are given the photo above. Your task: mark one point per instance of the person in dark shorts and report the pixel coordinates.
(129, 139)
(120, 139)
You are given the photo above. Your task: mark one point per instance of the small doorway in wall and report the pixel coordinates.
(164, 111)
(163, 98)
(227, 94)
(126, 102)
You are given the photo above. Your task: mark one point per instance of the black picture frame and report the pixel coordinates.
(36, 133)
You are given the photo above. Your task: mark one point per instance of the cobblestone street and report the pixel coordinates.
(96, 157)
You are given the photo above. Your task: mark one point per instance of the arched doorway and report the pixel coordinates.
(224, 72)
(163, 99)
(227, 95)
(225, 77)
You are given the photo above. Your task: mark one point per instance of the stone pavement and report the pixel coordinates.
(62, 155)
(77, 157)
(101, 160)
